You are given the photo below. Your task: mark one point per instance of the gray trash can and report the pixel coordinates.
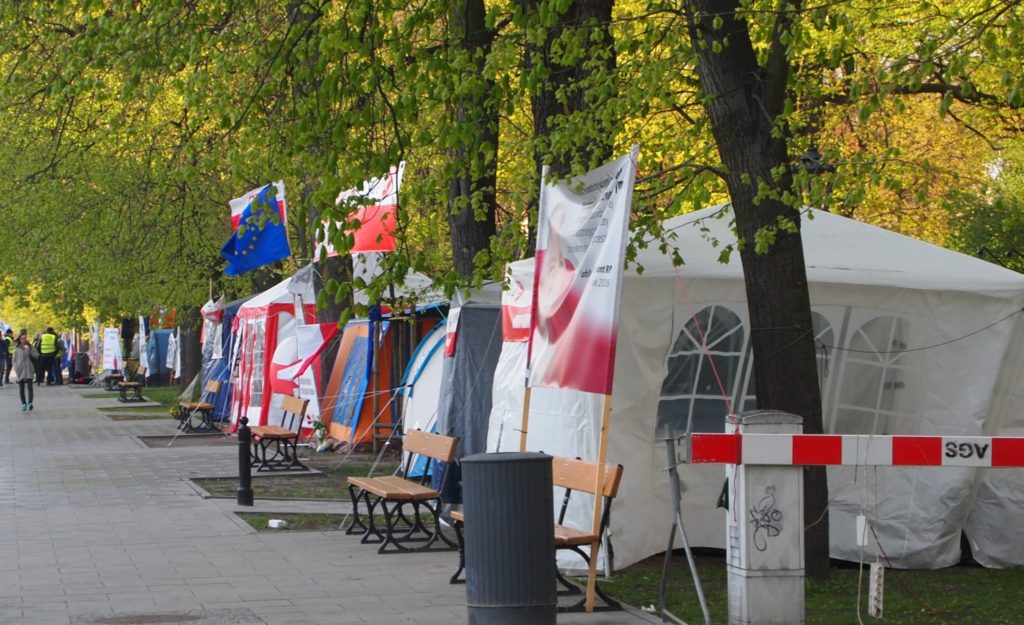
(82, 366)
(509, 539)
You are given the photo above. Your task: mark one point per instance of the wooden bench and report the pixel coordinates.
(572, 475)
(403, 532)
(134, 384)
(188, 410)
(275, 446)
(116, 377)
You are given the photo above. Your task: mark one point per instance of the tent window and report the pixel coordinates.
(691, 399)
(874, 379)
(824, 339)
(256, 397)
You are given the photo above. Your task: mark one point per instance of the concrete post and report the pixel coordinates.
(764, 531)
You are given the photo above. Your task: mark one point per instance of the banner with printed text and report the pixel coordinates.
(581, 243)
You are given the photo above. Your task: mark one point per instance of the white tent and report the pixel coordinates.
(915, 339)
(262, 324)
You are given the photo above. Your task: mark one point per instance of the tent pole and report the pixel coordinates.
(525, 421)
(602, 453)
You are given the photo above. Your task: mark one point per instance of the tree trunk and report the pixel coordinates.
(191, 347)
(565, 80)
(744, 101)
(471, 195)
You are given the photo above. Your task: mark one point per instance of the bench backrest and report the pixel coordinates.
(293, 412)
(434, 446)
(574, 474)
(581, 475)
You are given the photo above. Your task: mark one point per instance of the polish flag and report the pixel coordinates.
(311, 341)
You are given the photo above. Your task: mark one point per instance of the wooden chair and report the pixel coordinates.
(404, 532)
(275, 447)
(134, 384)
(571, 475)
(203, 408)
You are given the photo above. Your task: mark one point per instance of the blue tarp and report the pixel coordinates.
(220, 368)
(355, 377)
(157, 353)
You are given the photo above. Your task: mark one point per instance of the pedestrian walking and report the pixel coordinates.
(25, 370)
(5, 353)
(11, 342)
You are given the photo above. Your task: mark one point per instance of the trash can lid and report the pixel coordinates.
(508, 456)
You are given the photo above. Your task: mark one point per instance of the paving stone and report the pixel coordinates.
(100, 529)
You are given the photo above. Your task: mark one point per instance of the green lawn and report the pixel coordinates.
(954, 596)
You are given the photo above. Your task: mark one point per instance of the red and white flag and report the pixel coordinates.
(581, 244)
(376, 214)
(310, 341)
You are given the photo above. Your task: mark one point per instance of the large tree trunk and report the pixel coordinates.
(471, 196)
(562, 80)
(744, 102)
(191, 347)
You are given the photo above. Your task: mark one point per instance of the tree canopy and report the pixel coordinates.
(129, 125)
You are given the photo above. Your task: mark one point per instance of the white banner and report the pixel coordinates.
(581, 243)
(112, 358)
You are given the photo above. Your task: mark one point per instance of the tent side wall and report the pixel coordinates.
(900, 360)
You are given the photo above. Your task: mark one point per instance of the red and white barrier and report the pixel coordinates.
(871, 450)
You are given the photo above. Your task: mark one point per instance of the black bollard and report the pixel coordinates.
(244, 464)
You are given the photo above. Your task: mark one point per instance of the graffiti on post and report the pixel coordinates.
(766, 519)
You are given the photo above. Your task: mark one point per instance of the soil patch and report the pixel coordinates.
(137, 416)
(328, 483)
(189, 440)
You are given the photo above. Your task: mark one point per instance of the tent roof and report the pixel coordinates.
(281, 293)
(837, 250)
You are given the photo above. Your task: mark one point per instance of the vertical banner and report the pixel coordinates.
(112, 358)
(581, 242)
(516, 304)
(143, 348)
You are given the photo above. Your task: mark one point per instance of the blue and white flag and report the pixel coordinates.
(258, 220)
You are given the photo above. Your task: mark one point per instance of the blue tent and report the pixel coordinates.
(157, 353)
(220, 368)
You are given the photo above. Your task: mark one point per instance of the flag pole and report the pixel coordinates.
(602, 454)
(525, 422)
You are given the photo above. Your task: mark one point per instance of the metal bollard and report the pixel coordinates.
(244, 463)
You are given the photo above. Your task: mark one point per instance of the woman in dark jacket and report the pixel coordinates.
(25, 369)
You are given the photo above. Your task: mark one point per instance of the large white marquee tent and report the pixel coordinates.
(914, 339)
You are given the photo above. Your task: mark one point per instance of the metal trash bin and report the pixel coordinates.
(509, 539)
(82, 366)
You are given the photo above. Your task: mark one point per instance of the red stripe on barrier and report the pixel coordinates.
(817, 449)
(917, 450)
(1008, 452)
(720, 448)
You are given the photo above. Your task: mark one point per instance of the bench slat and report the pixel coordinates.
(394, 488)
(435, 446)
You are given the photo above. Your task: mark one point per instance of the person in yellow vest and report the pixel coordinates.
(47, 355)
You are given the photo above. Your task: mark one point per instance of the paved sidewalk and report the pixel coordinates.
(98, 529)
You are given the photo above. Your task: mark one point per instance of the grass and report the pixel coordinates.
(136, 416)
(961, 595)
(163, 395)
(330, 484)
(297, 521)
(101, 395)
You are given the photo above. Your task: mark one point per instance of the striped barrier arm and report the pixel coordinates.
(860, 450)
